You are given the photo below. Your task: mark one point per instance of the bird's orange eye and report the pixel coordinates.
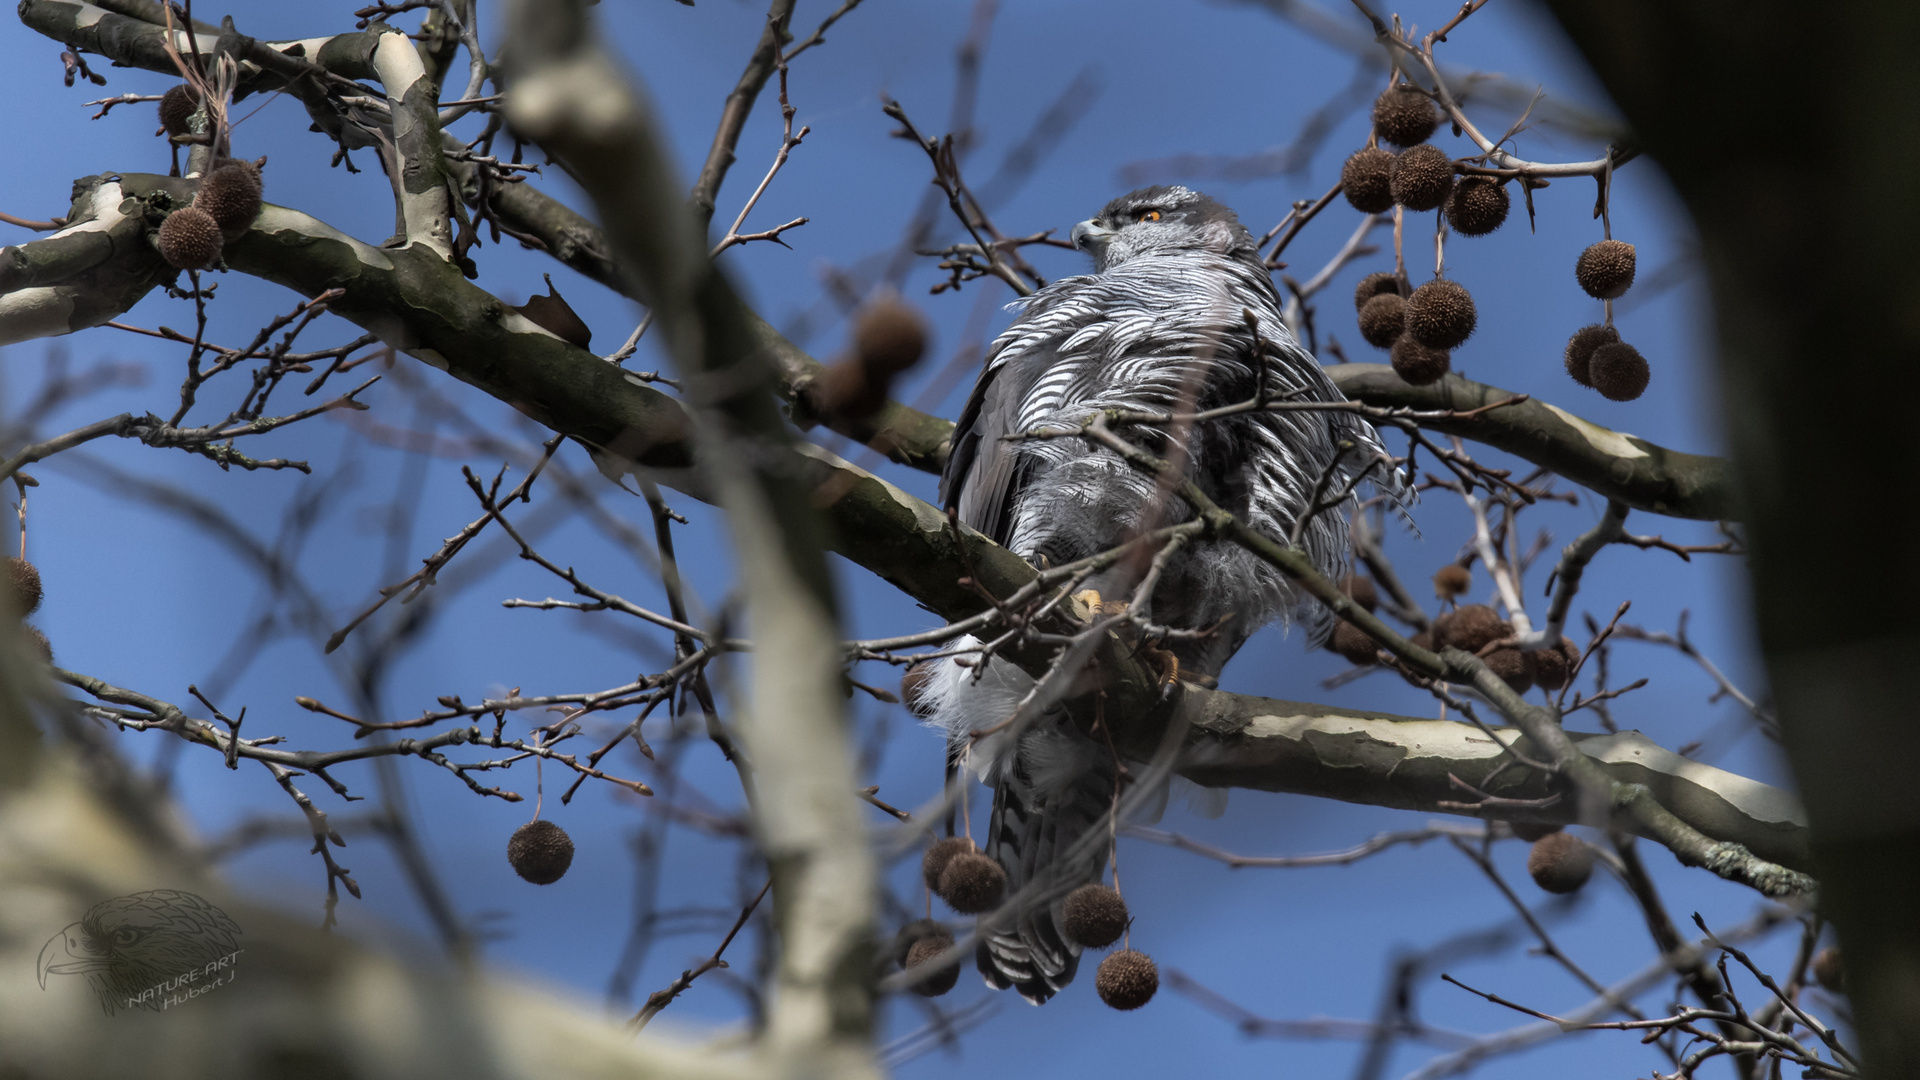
(1147, 215)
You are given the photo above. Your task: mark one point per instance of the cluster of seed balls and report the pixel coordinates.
(1472, 627)
(1422, 328)
(223, 207)
(1092, 917)
(540, 851)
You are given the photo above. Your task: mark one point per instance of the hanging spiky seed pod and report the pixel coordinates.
(889, 335)
(1560, 862)
(1472, 627)
(37, 642)
(1353, 643)
(1552, 667)
(230, 194)
(1417, 364)
(1404, 115)
(1093, 916)
(912, 932)
(1422, 177)
(1367, 180)
(1605, 269)
(177, 107)
(1830, 970)
(540, 851)
(1127, 979)
(1580, 349)
(1441, 315)
(1515, 668)
(1452, 580)
(1383, 320)
(1478, 205)
(1618, 371)
(923, 951)
(25, 579)
(1375, 284)
(972, 883)
(939, 854)
(190, 239)
(1362, 589)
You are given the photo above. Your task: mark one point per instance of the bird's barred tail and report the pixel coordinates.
(1051, 837)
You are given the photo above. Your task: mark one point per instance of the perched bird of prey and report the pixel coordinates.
(1159, 326)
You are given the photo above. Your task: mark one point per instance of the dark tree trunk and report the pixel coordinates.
(1793, 134)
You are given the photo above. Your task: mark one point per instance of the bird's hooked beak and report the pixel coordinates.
(1092, 237)
(66, 953)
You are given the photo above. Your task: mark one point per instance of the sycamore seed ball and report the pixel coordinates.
(37, 643)
(1362, 589)
(1093, 916)
(1553, 667)
(912, 932)
(1829, 970)
(1515, 668)
(230, 194)
(972, 884)
(890, 335)
(1478, 205)
(1404, 115)
(1424, 639)
(1440, 314)
(1580, 349)
(1374, 285)
(1472, 628)
(922, 951)
(1127, 979)
(540, 852)
(1560, 862)
(1618, 371)
(1605, 269)
(1353, 643)
(1367, 180)
(939, 854)
(1422, 177)
(177, 106)
(25, 579)
(1383, 319)
(190, 239)
(1417, 364)
(1451, 580)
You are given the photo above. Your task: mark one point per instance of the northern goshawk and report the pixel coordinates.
(1159, 326)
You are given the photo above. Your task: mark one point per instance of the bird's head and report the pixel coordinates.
(1159, 220)
(128, 944)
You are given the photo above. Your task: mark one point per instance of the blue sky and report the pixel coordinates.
(142, 600)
